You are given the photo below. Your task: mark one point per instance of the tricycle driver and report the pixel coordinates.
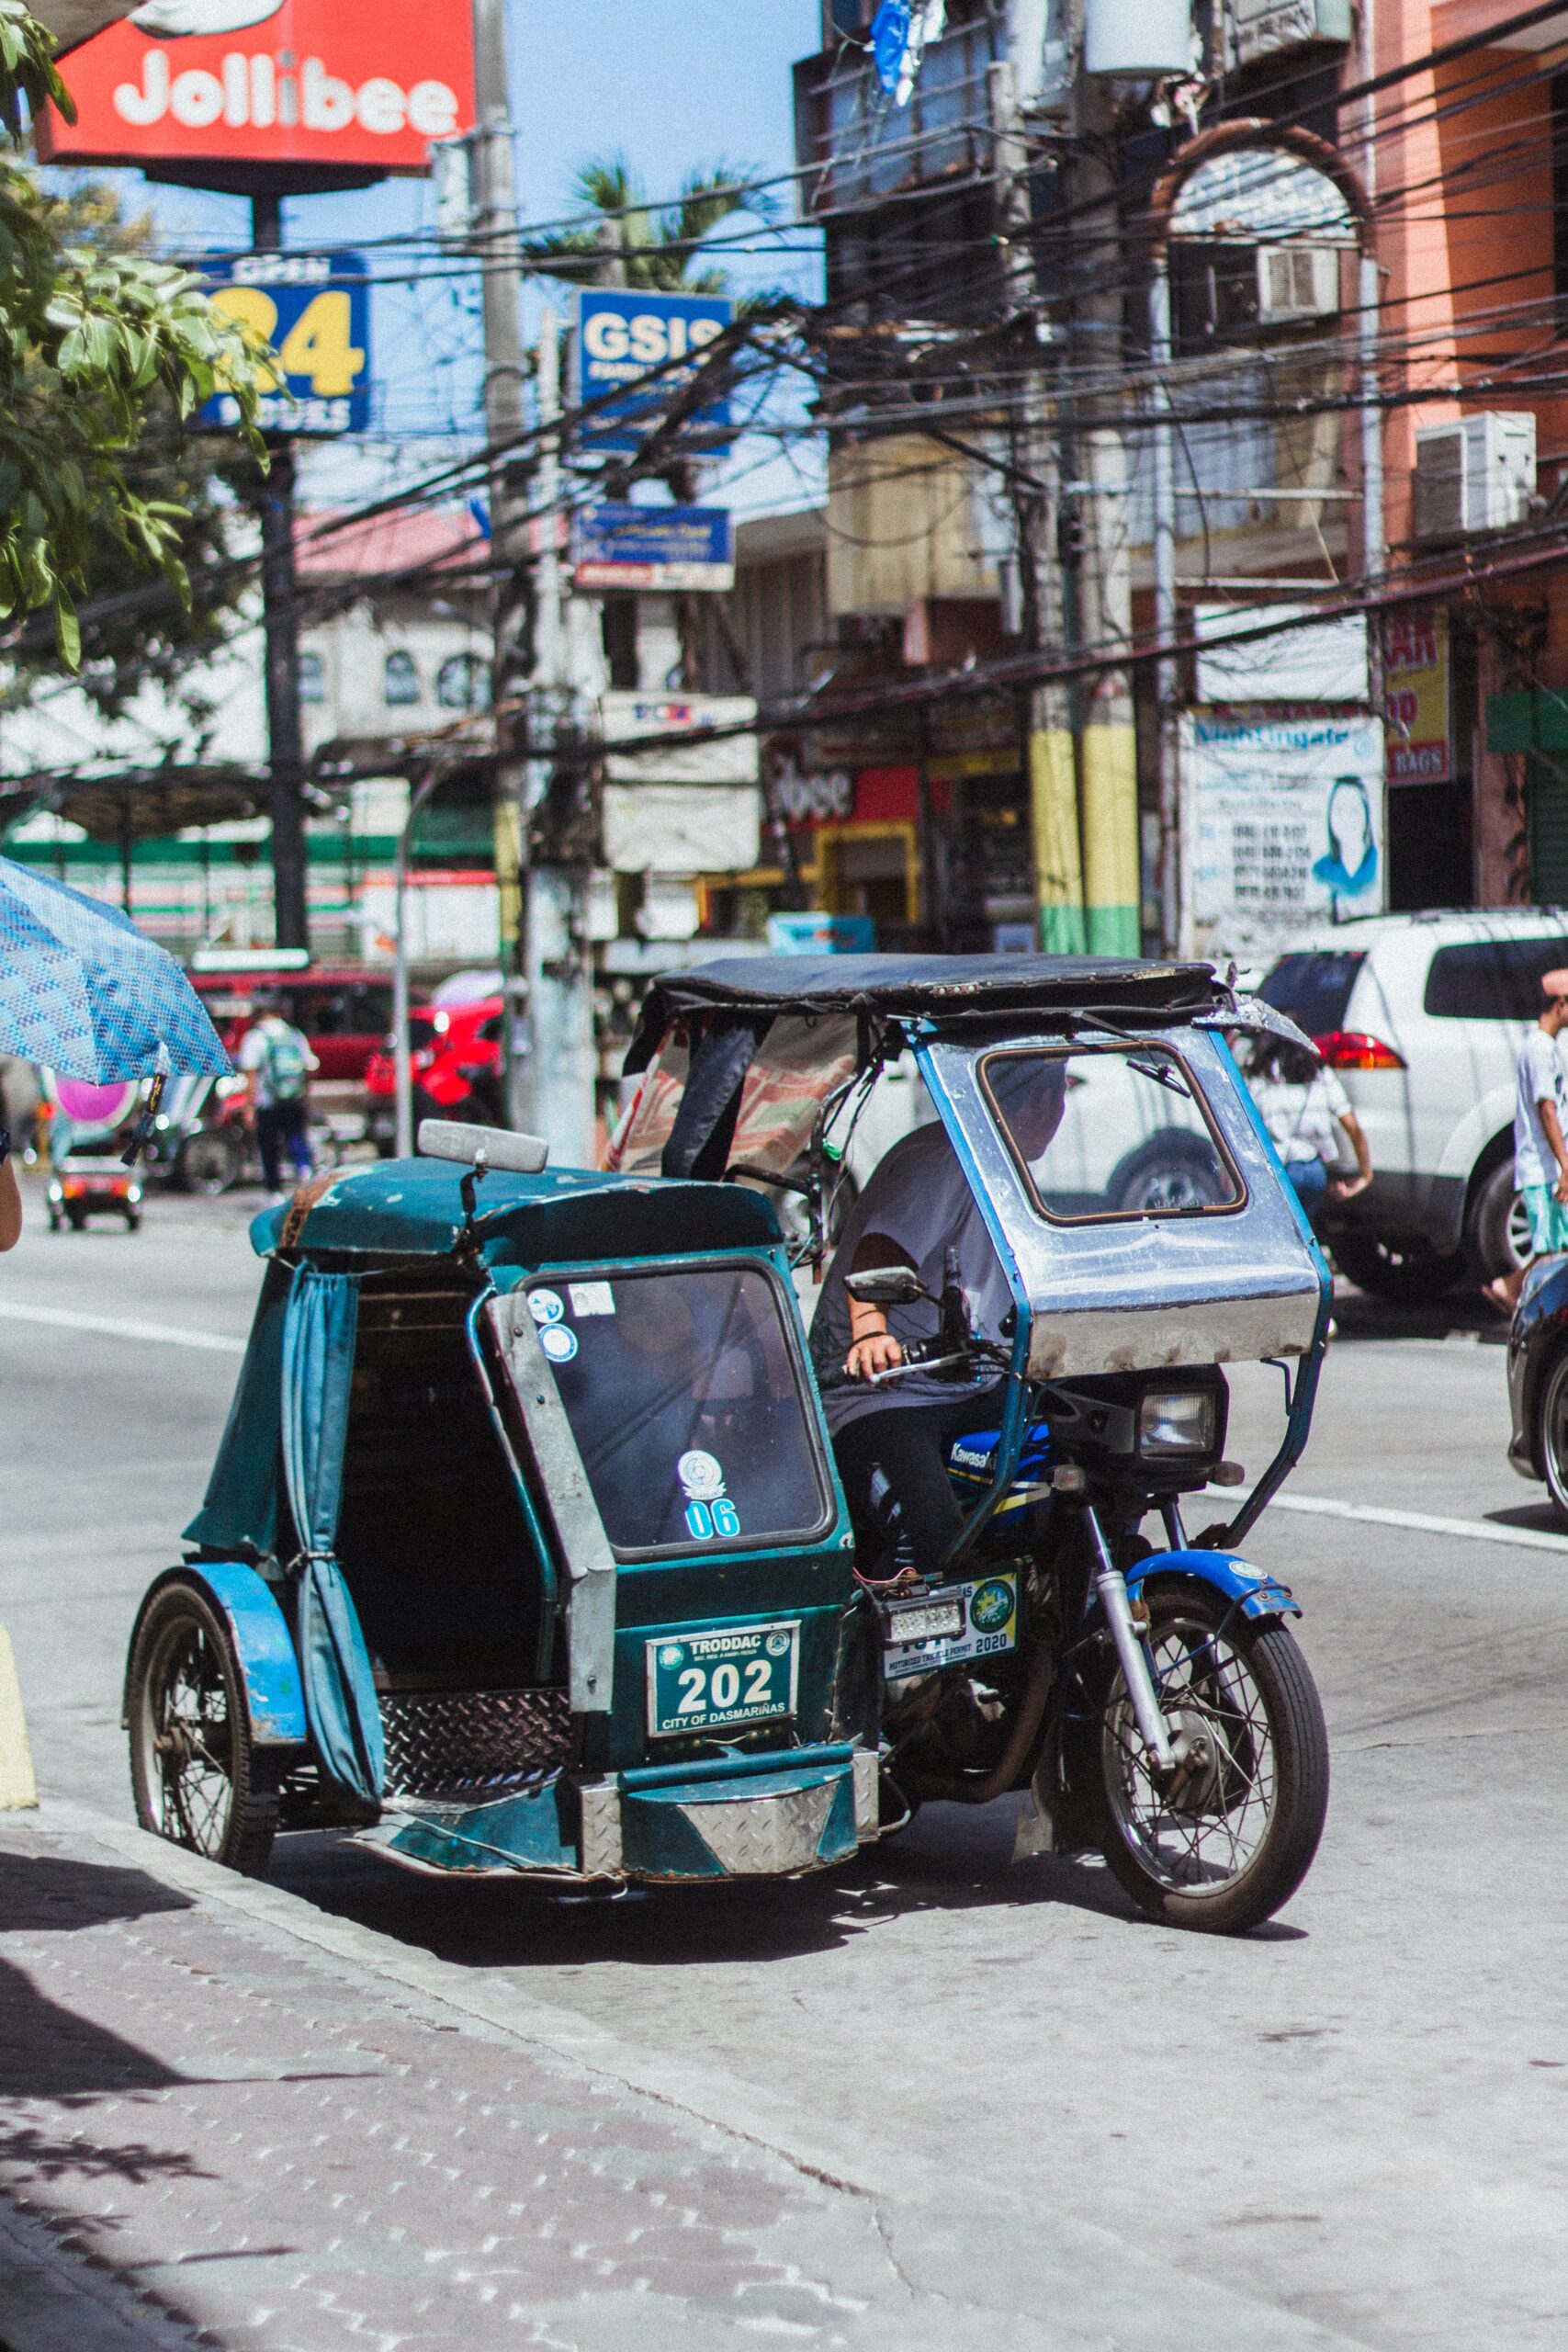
(891, 1440)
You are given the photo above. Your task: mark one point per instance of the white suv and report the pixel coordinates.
(1423, 1017)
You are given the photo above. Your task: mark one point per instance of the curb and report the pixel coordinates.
(19, 1787)
(980, 2242)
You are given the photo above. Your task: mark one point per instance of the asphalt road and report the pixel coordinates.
(1360, 2114)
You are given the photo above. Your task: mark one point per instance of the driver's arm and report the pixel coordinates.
(873, 1347)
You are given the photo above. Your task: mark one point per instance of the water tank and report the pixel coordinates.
(1139, 39)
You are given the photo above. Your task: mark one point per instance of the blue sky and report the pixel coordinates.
(673, 84)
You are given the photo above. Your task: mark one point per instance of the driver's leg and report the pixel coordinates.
(908, 1443)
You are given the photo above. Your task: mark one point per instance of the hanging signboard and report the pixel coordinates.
(670, 548)
(1416, 697)
(643, 349)
(314, 309)
(300, 84)
(1286, 823)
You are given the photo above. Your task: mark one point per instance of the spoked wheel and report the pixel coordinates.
(1231, 1836)
(194, 1767)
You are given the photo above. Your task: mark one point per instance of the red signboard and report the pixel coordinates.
(296, 82)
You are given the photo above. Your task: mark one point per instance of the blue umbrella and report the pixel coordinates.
(83, 992)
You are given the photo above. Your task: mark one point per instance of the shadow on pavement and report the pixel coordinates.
(1451, 1315)
(946, 1861)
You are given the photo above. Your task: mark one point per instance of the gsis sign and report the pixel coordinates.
(305, 82)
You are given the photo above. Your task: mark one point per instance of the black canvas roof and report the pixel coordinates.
(905, 986)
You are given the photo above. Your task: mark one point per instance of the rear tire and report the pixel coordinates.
(1171, 1171)
(1551, 1431)
(1406, 1274)
(1229, 1848)
(197, 1775)
(1499, 1227)
(209, 1163)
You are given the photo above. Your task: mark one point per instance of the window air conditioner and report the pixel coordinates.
(1296, 282)
(1251, 29)
(1475, 475)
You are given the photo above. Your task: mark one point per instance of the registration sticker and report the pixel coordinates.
(951, 1623)
(735, 1675)
(591, 1299)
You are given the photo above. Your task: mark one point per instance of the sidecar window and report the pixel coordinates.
(687, 1399)
(1111, 1132)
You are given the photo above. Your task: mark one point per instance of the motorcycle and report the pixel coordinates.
(524, 1552)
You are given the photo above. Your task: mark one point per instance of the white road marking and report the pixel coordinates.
(1421, 1523)
(167, 1335)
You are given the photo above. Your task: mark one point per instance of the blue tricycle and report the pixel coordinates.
(524, 1552)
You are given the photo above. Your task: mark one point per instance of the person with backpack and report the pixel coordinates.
(277, 1060)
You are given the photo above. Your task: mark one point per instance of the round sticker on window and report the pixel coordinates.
(557, 1342)
(990, 1606)
(546, 1306)
(701, 1474)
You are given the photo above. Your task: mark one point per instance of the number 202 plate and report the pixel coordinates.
(740, 1674)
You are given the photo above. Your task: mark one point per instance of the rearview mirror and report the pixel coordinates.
(519, 1155)
(886, 1286)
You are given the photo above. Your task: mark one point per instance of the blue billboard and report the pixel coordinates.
(314, 309)
(672, 548)
(643, 349)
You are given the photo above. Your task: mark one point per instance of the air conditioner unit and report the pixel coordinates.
(1297, 282)
(1250, 30)
(1475, 475)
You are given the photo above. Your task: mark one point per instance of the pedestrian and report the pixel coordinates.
(1304, 1108)
(10, 1195)
(1540, 1154)
(277, 1060)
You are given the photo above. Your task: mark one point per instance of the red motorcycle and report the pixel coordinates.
(456, 1065)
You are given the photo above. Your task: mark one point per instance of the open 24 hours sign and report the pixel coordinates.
(314, 309)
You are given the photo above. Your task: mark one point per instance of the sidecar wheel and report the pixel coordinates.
(198, 1778)
(1226, 1845)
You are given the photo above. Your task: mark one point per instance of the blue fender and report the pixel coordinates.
(275, 1697)
(1255, 1594)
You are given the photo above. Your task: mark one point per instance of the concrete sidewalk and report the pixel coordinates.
(227, 2120)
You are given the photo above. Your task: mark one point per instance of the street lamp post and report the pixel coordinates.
(404, 1131)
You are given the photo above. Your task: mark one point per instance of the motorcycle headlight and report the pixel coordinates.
(1177, 1420)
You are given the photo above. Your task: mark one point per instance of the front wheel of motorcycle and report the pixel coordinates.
(1226, 1841)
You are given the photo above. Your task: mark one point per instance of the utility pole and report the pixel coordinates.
(494, 230)
(1052, 784)
(1107, 735)
(280, 607)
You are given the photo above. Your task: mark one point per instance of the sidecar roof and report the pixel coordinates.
(934, 987)
(401, 1208)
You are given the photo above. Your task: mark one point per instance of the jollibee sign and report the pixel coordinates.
(311, 82)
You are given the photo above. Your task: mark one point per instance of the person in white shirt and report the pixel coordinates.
(1304, 1107)
(1540, 1153)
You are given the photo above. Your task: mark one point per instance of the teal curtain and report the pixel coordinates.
(238, 1519)
(317, 1372)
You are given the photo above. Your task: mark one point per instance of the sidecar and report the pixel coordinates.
(522, 1552)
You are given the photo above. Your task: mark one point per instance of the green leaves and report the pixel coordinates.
(656, 244)
(96, 339)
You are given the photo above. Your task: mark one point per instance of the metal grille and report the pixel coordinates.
(441, 1743)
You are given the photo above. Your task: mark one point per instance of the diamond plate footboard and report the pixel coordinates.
(444, 1743)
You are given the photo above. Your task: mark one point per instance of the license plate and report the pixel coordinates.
(945, 1627)
(741, 1674)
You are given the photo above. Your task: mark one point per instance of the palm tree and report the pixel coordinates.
(639, 244)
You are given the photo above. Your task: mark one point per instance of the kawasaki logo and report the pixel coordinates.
(966, 1458)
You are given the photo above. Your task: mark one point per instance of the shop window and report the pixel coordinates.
(462, 683)
(400, 681)
(312, 678)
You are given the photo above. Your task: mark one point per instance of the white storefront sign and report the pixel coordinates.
(1285, 824)
(1316, 661)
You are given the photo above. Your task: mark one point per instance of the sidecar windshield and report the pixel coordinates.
(1113, 1131)
(687, 1401)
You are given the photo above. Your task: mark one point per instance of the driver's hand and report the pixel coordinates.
(880, 1352)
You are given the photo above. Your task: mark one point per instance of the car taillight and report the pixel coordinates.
(1353, 1049)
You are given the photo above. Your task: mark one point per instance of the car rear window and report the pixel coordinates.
(1493, 980)
(1314, 988)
